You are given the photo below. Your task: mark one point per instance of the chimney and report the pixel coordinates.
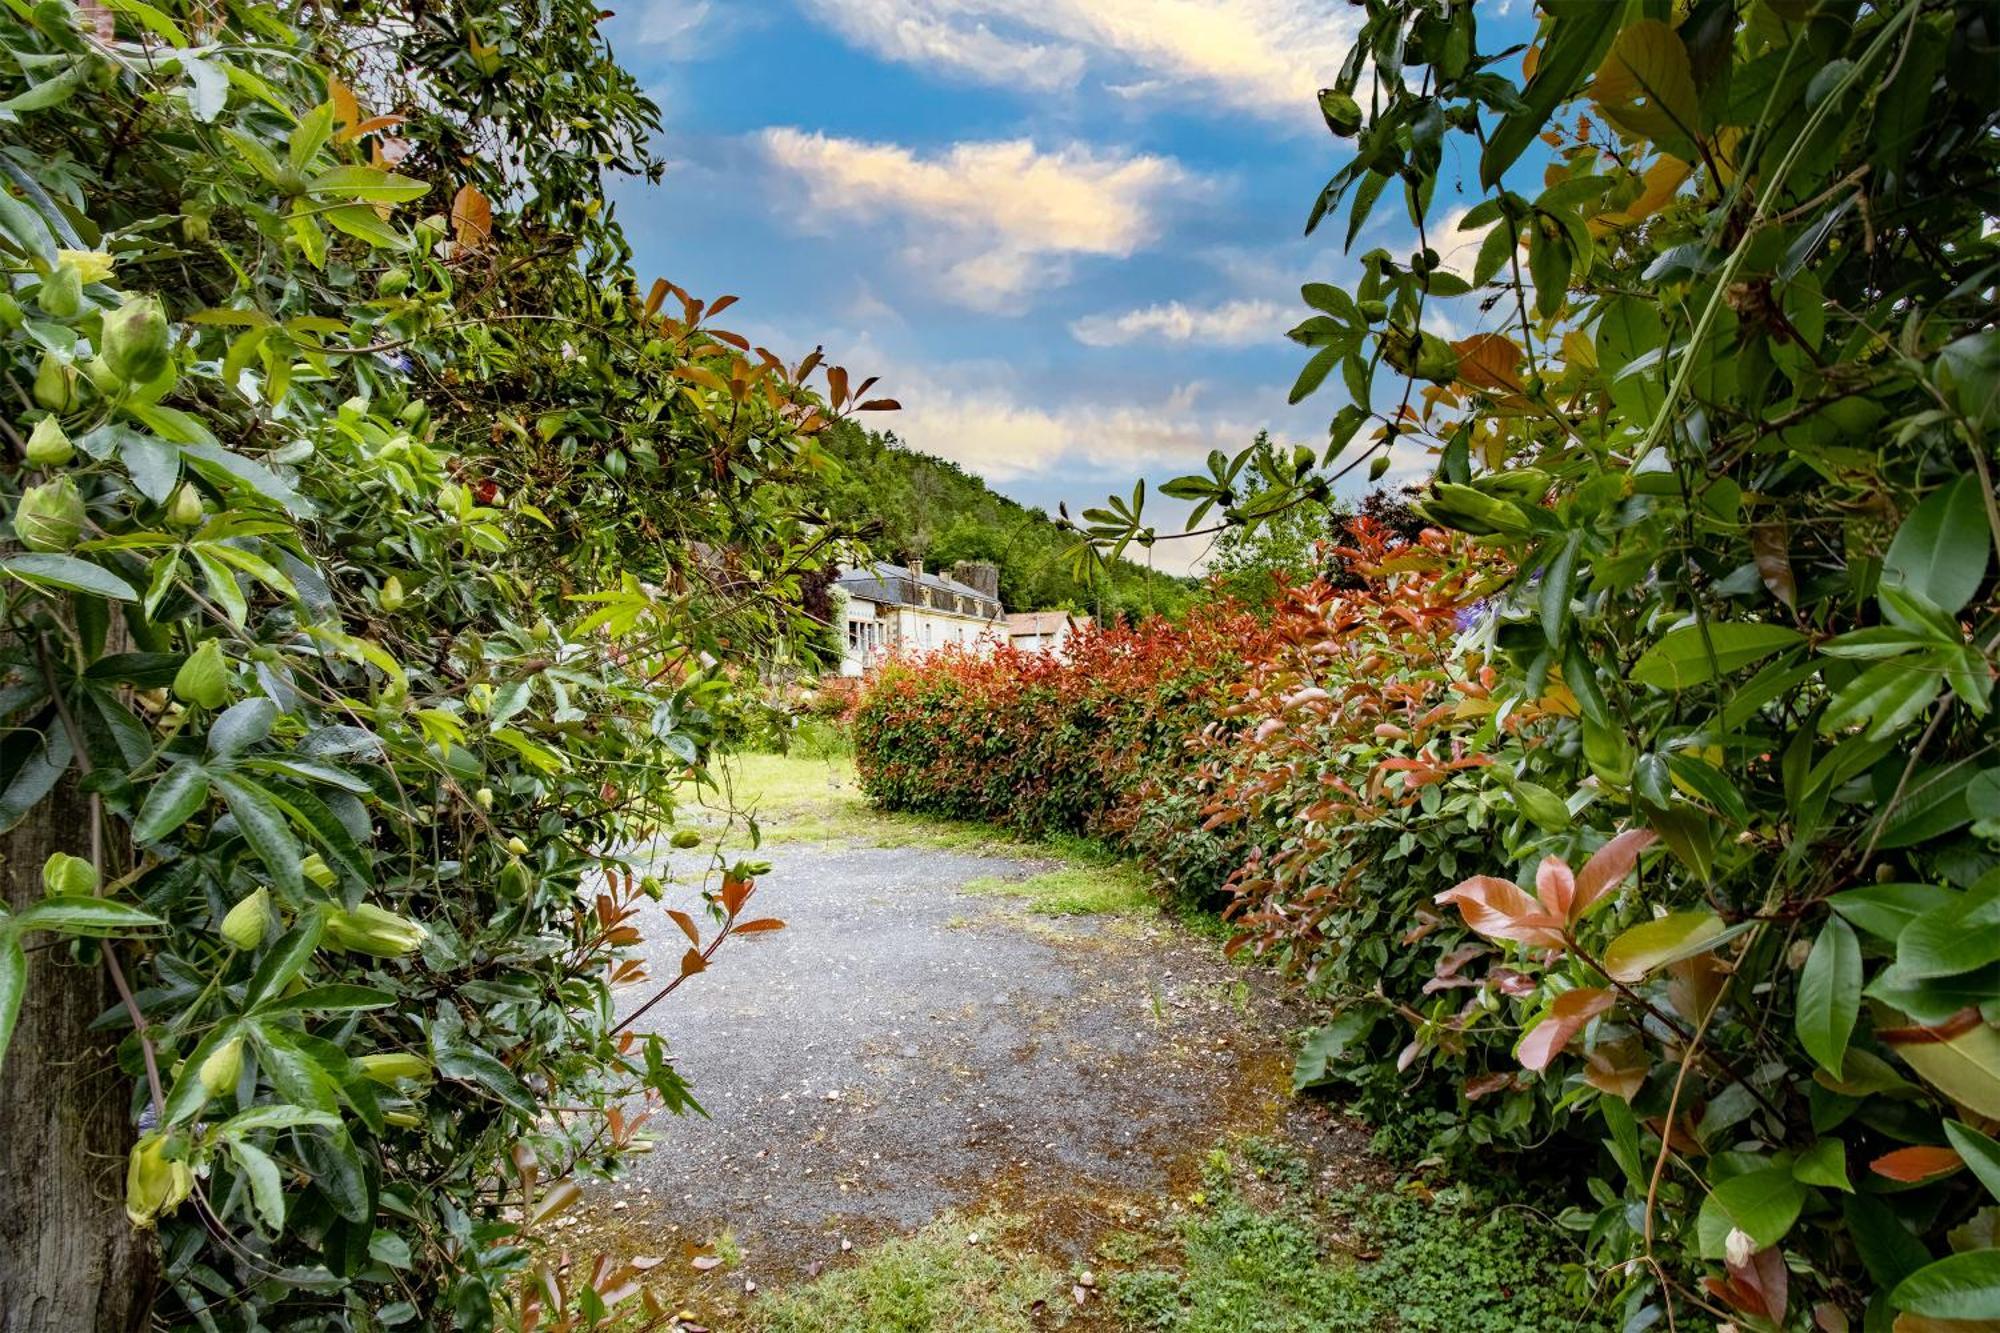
(916, 567)
(982, 575)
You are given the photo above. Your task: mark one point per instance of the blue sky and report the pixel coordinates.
(1066, 233)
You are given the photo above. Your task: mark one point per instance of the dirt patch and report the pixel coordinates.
(903, 1050)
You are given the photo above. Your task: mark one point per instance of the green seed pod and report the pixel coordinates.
(62, 293)
(48, 446)
(248, 921)
(223, 1066)
(315, 868)
(66, 876)
(154, 1184)
(394, 282)
(56, 386)
(686, 838)
(514, 881)
(517, 846)
(374, 931)
(1343, 113)
(50, 517)
(483, 798)
(204, 678)
(184, 510)
(10, 311)
(392, 594)
(391, 1066)
(135, 339)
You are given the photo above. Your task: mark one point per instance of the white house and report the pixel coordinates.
(1043, 631)
(888, 607)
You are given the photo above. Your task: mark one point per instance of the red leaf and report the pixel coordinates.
(1606, 866)
(1567, 1017)
(686, 923)
(1555, 886)
(1913, 1164)
(761, 923)
(692, 962)
(1497, 909)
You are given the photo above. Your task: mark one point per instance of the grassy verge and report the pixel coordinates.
(799, 799)
(1262, 1252)
(936, 1281)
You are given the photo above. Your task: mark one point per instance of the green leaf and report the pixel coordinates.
(1653, 944)
(189, 1094)
(1825, 1163)
(225, 468)
(337, 1170)
(1763, 1203)
(329, 999)
(1965, 1067)
(97, 918)
(1981, 1153)
(1942, 549)
(1887, 1248)
(264, 827)
(13, 985)
(285, 959)
(1316, 370)
(1682, 657)
(1830, 994)
(1558, 586)
(267, 1187)
(171, 801)
(367, 183)
(1963, 1286)
(240, 726)
(47, 760)
(1884, 910)
(360, 222)
(1959, 935)
(1324, 1050)
(1883, 699)
(461, 1060)
(273, 1116)
(49, 570)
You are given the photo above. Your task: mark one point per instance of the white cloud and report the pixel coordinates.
(1265, 57)
(989, 222)
(1231, 324)
(1457, 250)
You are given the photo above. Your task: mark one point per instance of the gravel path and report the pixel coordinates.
(904, 1048)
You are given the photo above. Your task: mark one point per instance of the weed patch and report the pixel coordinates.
(1261, 1254)
(936, 1281)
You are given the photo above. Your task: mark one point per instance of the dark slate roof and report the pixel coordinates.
(890, 585)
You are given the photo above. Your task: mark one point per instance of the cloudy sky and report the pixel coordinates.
(1066, 233)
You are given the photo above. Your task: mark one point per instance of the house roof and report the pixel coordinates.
(889, 585)
(1040, 622)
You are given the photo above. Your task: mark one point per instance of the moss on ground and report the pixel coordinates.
(1261, 1252)
(936, 1281)
(1077, 890)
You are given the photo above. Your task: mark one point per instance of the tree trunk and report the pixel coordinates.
(69, 1260)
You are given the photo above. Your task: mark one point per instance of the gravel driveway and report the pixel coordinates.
(905, 1047)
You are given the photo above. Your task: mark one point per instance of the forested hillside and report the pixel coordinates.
(914, 505)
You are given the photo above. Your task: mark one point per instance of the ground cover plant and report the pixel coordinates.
(1670, 864)
(378, 554)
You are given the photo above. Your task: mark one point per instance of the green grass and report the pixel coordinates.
(932, 1282)
(1077, 890)
(1261, 1254)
